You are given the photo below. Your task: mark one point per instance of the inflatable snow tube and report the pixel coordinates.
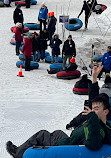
(80, 91)
(97, 58)
(74, 151)
(22, 58)
(1, 4)
(13, 41)
(32, 26)
(20, 2)
(48, 59)
(73, 24)
(26, 29)
(68, 75)
(33, 2)
(47, 53)
(33, 64)
(57, 66)
(99, 8)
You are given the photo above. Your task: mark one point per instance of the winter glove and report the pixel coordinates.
(68, 126)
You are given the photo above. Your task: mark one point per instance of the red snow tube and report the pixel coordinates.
(26, 29)
(68, 75)
(20, 2)
(81, 91)
(103, 7)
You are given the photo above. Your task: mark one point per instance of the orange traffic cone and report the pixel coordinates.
(20, 72)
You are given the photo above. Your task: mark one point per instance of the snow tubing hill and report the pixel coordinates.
(57, 66)
(48, 59)
(32, 26)
(26, 29)
(74, 151)
(68, 75)
(33, 64)
(97, 58)
(12, 41)
(73, 24)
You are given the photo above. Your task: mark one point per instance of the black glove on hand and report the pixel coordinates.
(68, 126)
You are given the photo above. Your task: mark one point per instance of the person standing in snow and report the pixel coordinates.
(27, 49)
(87, 8)
(68, 50)
(51, 24)
(18, 15)
(55, 45)
(106, 62)
(18, 36)
(42, 17)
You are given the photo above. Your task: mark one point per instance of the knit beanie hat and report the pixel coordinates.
(72, 60)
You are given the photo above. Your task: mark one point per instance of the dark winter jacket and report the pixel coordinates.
(93, 133)
(27, 48)
(72, 67)
(69, 48)
(43, 14)
(18, 16)
(87, 8)
(18, 34)
(43, 38)
(83, 82)
(35, 44)
(51, 24)
(55, 44)
(106, 61)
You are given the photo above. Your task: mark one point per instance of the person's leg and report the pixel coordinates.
(69, 58)
(64, 61)
(100, 74)
(41, 138)
(40, 25)
(44, 23)
(107, 71)
(52, 59)
(56, 58)
(27, 64)
(17, 47)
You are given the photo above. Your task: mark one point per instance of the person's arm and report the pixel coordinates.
(74, 53)
(94, 133)
(81, 12)
(93, 87)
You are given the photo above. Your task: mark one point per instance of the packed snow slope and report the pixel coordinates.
(39, 100)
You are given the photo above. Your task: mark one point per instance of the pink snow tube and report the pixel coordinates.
(20, 2)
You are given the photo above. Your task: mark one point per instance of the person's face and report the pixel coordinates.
(98, 108)
(69, 38)
(108, 50)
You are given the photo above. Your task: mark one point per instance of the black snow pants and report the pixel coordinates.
(41, 138)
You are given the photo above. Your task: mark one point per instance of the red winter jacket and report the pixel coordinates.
(27, 48)
(18, 34)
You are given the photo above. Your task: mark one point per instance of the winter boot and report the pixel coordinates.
(11, 148)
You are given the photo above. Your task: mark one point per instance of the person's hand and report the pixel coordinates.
(86, 111)
(95, 72)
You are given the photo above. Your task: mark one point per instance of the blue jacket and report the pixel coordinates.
(106, 61)
(43, 13)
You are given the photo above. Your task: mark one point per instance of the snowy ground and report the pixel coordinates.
(39, 100)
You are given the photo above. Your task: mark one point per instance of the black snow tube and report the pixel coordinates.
(68, 75)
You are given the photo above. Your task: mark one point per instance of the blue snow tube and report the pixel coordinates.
(73, 24)
(12, 41)
(74, 151)
(32, 26)
(33, 2)
(21, 57)
(57, 66)
(47, 54)
(33, 64)
(48, 59)
(97, 58)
